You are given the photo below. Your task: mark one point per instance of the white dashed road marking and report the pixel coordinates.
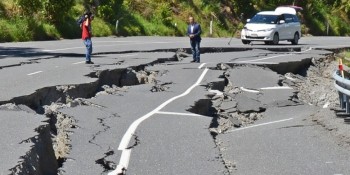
(38, 72)
(178, 113)
(249, 90)
(217, 92)
(276, 56)
(109, 45)
(81, 62)
(276, 88)
(263, 124)
(266, 88)
(202, 65)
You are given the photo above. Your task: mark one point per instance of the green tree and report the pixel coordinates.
(56, 10)
(53, 11)
(29, 7)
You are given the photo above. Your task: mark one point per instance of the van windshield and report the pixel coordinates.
(264, 19)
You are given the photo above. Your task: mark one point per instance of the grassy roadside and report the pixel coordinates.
(345, 57)
(164, 18)
(15, 27)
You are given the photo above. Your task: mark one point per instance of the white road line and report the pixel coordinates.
(70, 48)
(290, 78)
(80, 62)
(178, 113)
(125, 158)
(217, 92)
(276, 88)
(263, 124)
(38, 72)
(266, 88)
(249, 90)
(267, 58)
(202, 65)
(249, 62)
(109, 45)
(130, 132)
(309, 49)
(116, 41)
(276, 56)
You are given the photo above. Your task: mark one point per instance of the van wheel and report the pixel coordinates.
(246, 42)
(295, 41)
(276, 39)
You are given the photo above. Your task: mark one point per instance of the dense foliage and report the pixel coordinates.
(22, 20)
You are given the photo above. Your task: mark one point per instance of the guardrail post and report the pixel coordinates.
(341, 100)
(342, 84)
(347, 105)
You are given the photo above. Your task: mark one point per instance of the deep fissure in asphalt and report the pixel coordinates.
(47, 100)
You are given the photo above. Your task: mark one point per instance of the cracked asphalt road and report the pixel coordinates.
(50, 77)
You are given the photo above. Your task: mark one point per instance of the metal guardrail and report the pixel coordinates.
(343, 87)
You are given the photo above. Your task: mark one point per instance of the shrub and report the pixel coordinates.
(101, 28)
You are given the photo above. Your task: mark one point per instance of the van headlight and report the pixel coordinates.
(267, 30)
(246, 29)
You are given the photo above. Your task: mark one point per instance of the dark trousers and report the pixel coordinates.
(195, 46)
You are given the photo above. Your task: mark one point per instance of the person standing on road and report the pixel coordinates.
(86, 36)
(194, 33)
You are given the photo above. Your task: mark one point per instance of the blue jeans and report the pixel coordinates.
(88, 44)
(195, 46)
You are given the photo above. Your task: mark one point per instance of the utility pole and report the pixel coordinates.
(327, 28)
(116, 26)
(211, 27)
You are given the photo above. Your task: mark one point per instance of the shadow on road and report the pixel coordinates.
(6, 52)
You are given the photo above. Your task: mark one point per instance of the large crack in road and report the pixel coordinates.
(49, 100)
(235, 104)
(242, 103)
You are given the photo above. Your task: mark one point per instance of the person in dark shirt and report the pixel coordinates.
(194, 33)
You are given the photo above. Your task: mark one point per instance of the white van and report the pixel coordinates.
(272, 27)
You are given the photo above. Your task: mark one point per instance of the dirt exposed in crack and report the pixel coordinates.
(205, 107)
(49, 100)
(108, 82)
(230, 117)
(230, 112)
(229, 164)
(238, 108)
(315, 87)
(40, 158)
(62, 127)
(160, 87)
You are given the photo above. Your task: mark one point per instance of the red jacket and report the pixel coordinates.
(86, 29)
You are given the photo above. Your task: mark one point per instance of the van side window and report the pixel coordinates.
(289, 18)
(295, 18)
